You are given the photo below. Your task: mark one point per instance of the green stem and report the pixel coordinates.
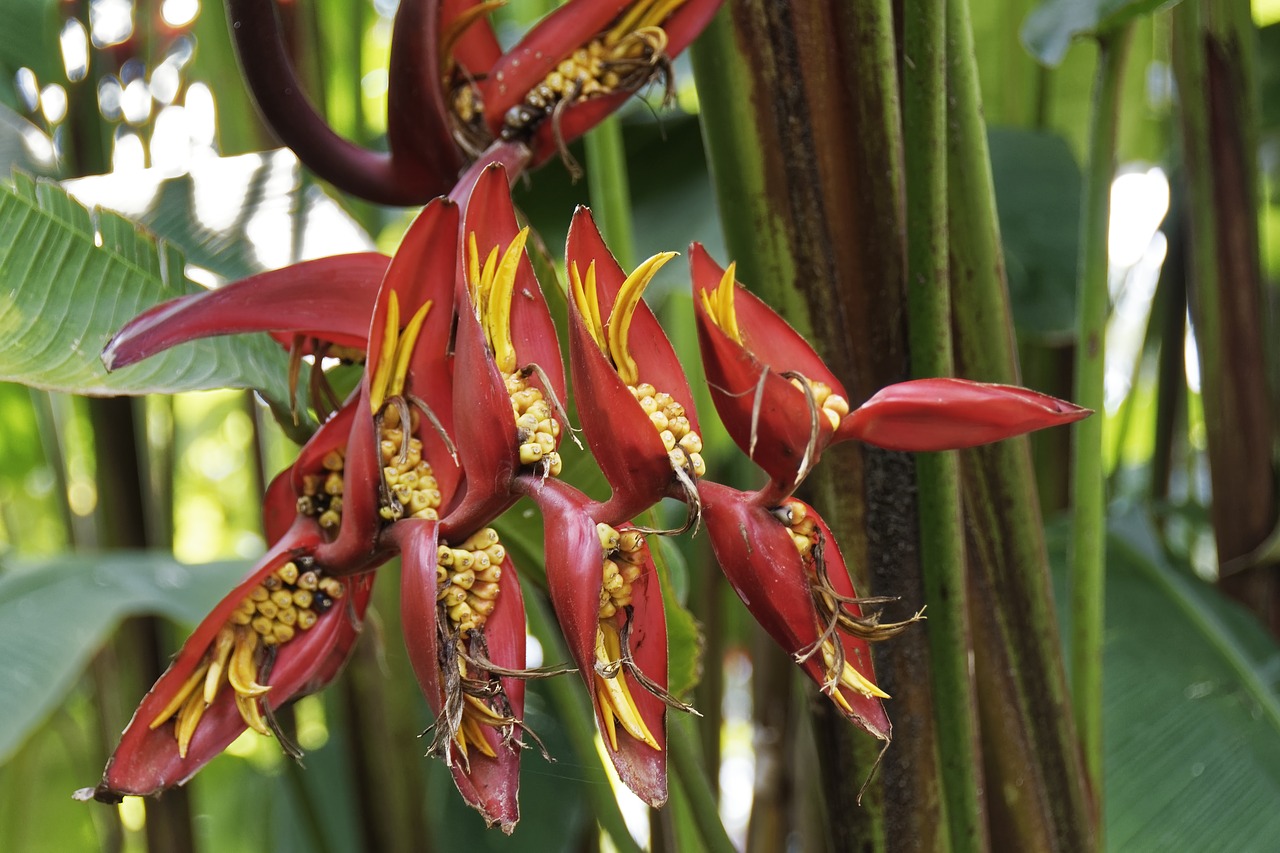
(683, 746)
(1030, 750)
(1088, 519)
(579, 726)
(609, 190)
(938, 474)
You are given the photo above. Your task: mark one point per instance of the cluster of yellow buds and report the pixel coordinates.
(408, 476)
(624, 556)
(623, 563)
(803, 529)
(833, 406)
(684, 446)
(467, 579)
(539, 431)
(322, 493)
(839, 672)
(284, 602)
(624, 58)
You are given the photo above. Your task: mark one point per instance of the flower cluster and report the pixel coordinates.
(459, 413)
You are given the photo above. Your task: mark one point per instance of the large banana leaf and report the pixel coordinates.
(56, 613)
(70, 278)
(1191, 707)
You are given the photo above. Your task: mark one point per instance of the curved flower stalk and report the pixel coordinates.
(284, 632)
(422, 161)
(507, 366)
(607, 598)
(453, 95)
(632, 395)
(783, 406)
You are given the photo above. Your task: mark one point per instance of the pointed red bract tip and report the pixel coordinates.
(951, 414)
(329, 299)
(147, 761)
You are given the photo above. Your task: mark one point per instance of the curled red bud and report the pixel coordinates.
(950, 414)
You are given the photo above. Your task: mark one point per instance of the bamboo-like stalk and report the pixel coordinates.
(1212, 56)
(1029, 744)
(802, 122)
(609, 189)
(1088, 560)
(693, 776)
(938, 474)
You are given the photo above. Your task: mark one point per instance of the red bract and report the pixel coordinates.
(608, 601)
(328, 299)
(758, 368)
(783, 406)
(478, 710)
(569, 72)
(949, 414)
(788, 570)
(202, 702)
(508, 376)
(632, 394)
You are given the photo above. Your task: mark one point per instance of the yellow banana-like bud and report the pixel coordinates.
(584, 294)
(386, 358)
(404, 349)
(497, 313)
(188, 719)
(223, 645)
(849, 676)
(180, 697)
(624, 308)
(615, 696)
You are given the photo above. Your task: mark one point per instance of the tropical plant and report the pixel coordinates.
(1077, 630)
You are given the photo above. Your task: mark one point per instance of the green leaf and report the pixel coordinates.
(684, 639)
(55, 614)
(69, 279)
(1191, 707)
(1038, 186)
(1051, 26)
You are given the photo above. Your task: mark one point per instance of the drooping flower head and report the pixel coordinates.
(608, 601)
(633, 398)
(285, 631)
